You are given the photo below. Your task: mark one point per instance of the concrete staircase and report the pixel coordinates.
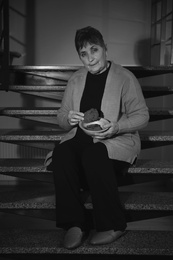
(34, 196)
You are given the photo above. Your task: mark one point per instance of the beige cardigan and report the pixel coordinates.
(122, 102)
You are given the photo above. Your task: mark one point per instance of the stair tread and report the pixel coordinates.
(49, 241)
(159, 69)
(62, 86)
(37, 165)
(50, 88)
(152, 167)
(30, 135)
(156, 136)
(56, 135)
(144, 201)
(47, 115)
(49, 111)
(44, 68)
(52, 111)
(34, 165)
(43, 197)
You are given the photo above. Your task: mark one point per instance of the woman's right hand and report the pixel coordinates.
(75, 117)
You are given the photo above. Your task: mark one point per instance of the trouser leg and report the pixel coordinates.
(66, 168)
(99, 170)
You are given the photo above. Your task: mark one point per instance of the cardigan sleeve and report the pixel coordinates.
(134, 111)
(66, 106)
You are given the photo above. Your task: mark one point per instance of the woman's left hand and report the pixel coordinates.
(112, 130)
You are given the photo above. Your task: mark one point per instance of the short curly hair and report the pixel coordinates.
(88, 35)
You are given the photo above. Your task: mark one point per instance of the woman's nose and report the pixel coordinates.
(90, 57)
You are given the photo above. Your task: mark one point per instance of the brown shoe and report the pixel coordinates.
(73, 238)
(105, 237)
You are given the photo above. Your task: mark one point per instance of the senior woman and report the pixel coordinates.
(82, 161)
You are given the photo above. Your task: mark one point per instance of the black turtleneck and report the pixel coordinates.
(92, 96)
(93, 92)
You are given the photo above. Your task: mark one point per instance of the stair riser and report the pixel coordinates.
(49, 143)
(48, 176)
(32, 78)
(56, 92)
(36, 197)
(50, 214)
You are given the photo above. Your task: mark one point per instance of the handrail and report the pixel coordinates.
(5, 45)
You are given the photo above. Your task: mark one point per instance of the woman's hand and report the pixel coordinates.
(112, 130)
(75, 117)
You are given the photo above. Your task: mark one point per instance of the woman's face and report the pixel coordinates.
(93, 57)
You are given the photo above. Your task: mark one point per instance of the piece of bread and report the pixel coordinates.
(91, 115)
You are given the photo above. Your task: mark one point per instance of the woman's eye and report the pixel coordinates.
(83, 54)
(94, 50)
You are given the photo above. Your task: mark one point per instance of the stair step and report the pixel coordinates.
(18, 111)
(149, 71)
(30, 169)
(46, 139)
(16, 135)
(49, 242)
(34, 169)
(34, 138)
(49, 68)
(144, 201)
(49, 88)
(13, 135)
(42, 196)
(37, 166)
(41, 75)
(62, 87)
(57, 92)
(160, 113)
(53, 96)
(139, 71)
(155, 113)
(46, 116)
(156, 136)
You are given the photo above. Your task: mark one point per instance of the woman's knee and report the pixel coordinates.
(60, 153)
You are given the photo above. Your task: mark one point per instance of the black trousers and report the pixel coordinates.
(79, 165)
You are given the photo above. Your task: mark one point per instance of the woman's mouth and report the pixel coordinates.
(93, 65)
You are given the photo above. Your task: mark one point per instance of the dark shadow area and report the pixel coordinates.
(142, 52)
(30, 32)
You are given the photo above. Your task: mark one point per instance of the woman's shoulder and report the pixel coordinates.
(81, 71)
(122, 70)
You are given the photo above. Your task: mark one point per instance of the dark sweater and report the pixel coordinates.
(92, 97)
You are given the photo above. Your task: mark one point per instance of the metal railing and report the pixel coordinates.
(4, 45)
